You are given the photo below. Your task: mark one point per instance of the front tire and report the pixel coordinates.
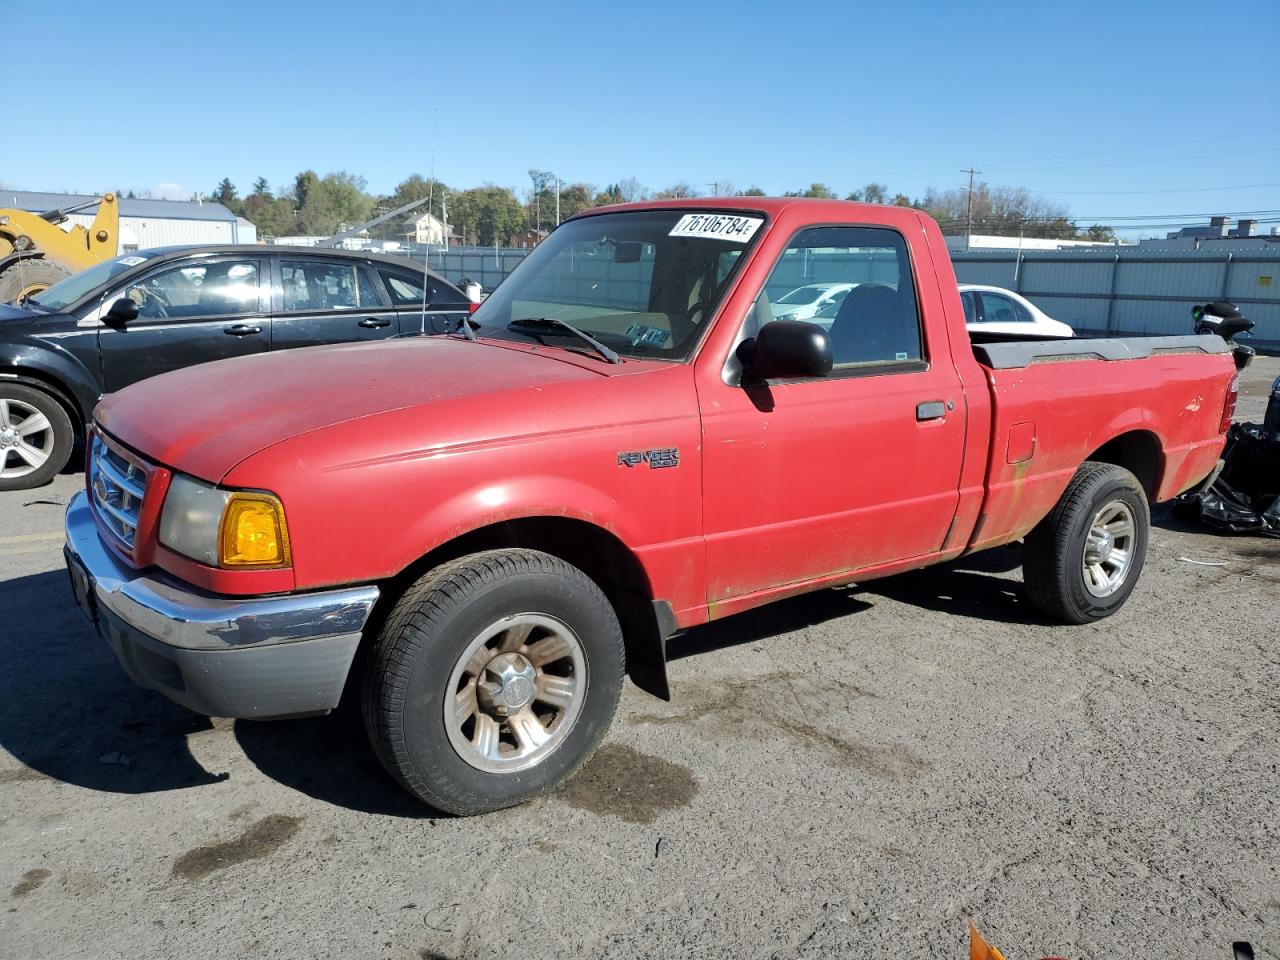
(493, 680)
(36, 437)
(1083, 560)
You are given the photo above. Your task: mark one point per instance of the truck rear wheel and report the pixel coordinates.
(29, 276)
(36, 437)
(493, 680)
(1083, 560)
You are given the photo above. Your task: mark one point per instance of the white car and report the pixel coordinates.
(803, 303)
(997, 310)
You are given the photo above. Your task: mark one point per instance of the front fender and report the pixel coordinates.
(513, 498)
(43, 363)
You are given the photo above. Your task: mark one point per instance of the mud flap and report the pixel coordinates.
(647, 661)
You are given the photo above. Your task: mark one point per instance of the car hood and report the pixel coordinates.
(205, 419)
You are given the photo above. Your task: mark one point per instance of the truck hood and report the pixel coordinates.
(205, 419)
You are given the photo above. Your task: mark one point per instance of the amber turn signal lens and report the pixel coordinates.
(253, 532)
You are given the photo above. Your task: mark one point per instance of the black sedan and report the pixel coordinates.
(152, 311)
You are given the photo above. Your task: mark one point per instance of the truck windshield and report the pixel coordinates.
(643, 283)
(66, 292)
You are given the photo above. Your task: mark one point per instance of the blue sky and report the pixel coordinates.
(1118, 109)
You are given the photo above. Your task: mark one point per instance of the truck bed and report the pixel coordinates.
(1058, 402)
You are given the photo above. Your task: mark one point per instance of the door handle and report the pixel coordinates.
(930, 410)
(241, 330)
(374, 323)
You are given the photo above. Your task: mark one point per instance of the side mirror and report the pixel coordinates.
(787, 349)
(627, 251)
(120, 312)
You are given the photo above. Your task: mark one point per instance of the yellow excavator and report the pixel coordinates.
(36, 253)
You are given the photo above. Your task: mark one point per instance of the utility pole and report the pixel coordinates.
(557, 201)
(715, 188)
(444, 213)
(968, 215)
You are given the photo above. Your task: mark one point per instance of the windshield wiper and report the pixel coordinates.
(557, 323)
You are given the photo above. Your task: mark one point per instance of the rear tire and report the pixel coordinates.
(1083, 560)
(29, 276)
(36, 437)
(493, 680)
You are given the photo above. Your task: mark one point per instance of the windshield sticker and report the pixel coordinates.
(715, 226)
(132, 261)
(649, 336)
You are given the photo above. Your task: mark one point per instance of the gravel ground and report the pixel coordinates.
(852, 773)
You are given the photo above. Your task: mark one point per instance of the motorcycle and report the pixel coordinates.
(1224, 318)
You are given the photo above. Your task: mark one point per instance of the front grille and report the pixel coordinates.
(118, 487)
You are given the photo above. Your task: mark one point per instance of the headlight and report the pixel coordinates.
(224, 528)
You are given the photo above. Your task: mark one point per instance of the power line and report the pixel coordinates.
(1249, 214)
(1099, 193)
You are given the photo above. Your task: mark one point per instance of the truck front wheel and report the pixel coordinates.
(494, 679)
(1083, 560)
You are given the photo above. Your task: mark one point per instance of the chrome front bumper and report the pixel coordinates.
(255, 657)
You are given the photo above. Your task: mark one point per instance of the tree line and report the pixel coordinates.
(321, 206)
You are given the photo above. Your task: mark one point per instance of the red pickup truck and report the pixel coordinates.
(482, 533)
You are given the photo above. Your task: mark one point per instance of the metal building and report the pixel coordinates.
(144, 223)
(1126, 290)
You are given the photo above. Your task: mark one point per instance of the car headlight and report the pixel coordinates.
(224, 528)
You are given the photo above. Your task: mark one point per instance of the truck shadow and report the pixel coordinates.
(775, 619)
(68, 712)
(968, 587)
(329, 759)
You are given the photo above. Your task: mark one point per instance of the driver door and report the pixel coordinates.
(188, 313)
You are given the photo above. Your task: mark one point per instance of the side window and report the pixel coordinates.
(1022, 313)
(325, 286)
(997, 309)
(367, 292)
(872, 316)
(405, 289)
(970, 312)
(198, 290)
